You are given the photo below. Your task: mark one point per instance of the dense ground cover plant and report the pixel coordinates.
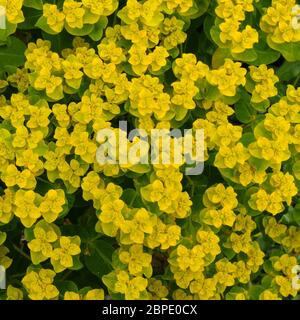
(73, 229)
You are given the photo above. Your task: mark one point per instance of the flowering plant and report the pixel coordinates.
(73, 228)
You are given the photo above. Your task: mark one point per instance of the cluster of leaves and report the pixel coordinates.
(71, 228)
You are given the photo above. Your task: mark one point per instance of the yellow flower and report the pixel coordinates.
(190, 259)
(209, 242)
(184, 92)
(62, 257)
(55, 18)
(141, 223)
(41, 246)
(39, 285)
(52, 204)
(230, 157)
(244, 40)
(94, 294)
(159, 56)
(6, 205)
(14, 293)
(70, 295)
(180, 5)
(103, 8)
(136, 259)
(255, 257)
(285, 286)
(147, 97)
(131, 288)
(72, 73)
(157, 289)
(52, 84)
(228, 77)
(269, 295)
(139, 59)
(173, 34)
(74, 13)
(13, 10)
(110, 52)
(27, 209)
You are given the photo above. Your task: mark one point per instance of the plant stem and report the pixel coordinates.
(21, 252)
(45, 181)
(66, 275)
(191, 183)
(296, 80)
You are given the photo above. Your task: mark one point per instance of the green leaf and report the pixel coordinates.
(261, 106)
(219, 57)
(42, 24)
(268, 267)
(87, 222)
(10, 29)
(140, 168)
(85, 30)
(10, 69)
(70, 199)
(215, 35)
(265, 55)
(28, 234)
(98, 257)
(58, 41)
(2, 237)
(288, 71)
(243, 109)
(231, 100)
(267, 282)
(31, 17)
(201, 8)
(208, 24)
(290, 51)
(97, 32)
(247, 138)
(246, 56)
(259, 164)
(109, 280)
(294, 214)
(77, 265)
(132, 198)
(211, 93)
(12, 53)
(66, 285)
(296, 169)
(229, 253)
(36, 4)
(261, 131)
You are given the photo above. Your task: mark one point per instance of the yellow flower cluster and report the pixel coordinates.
(150, 231)
(39, 284)
(278, 21)
(93, 294)
(77, 14)
(288, 237)
(5, 261)
(13, 9)
(29, 206)
(228, 77)
(276, 132)
(233, 14)
(166, 191)
(283, 189)
(47, 242)
(281, 278)
(264, 83)
(219, 203)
